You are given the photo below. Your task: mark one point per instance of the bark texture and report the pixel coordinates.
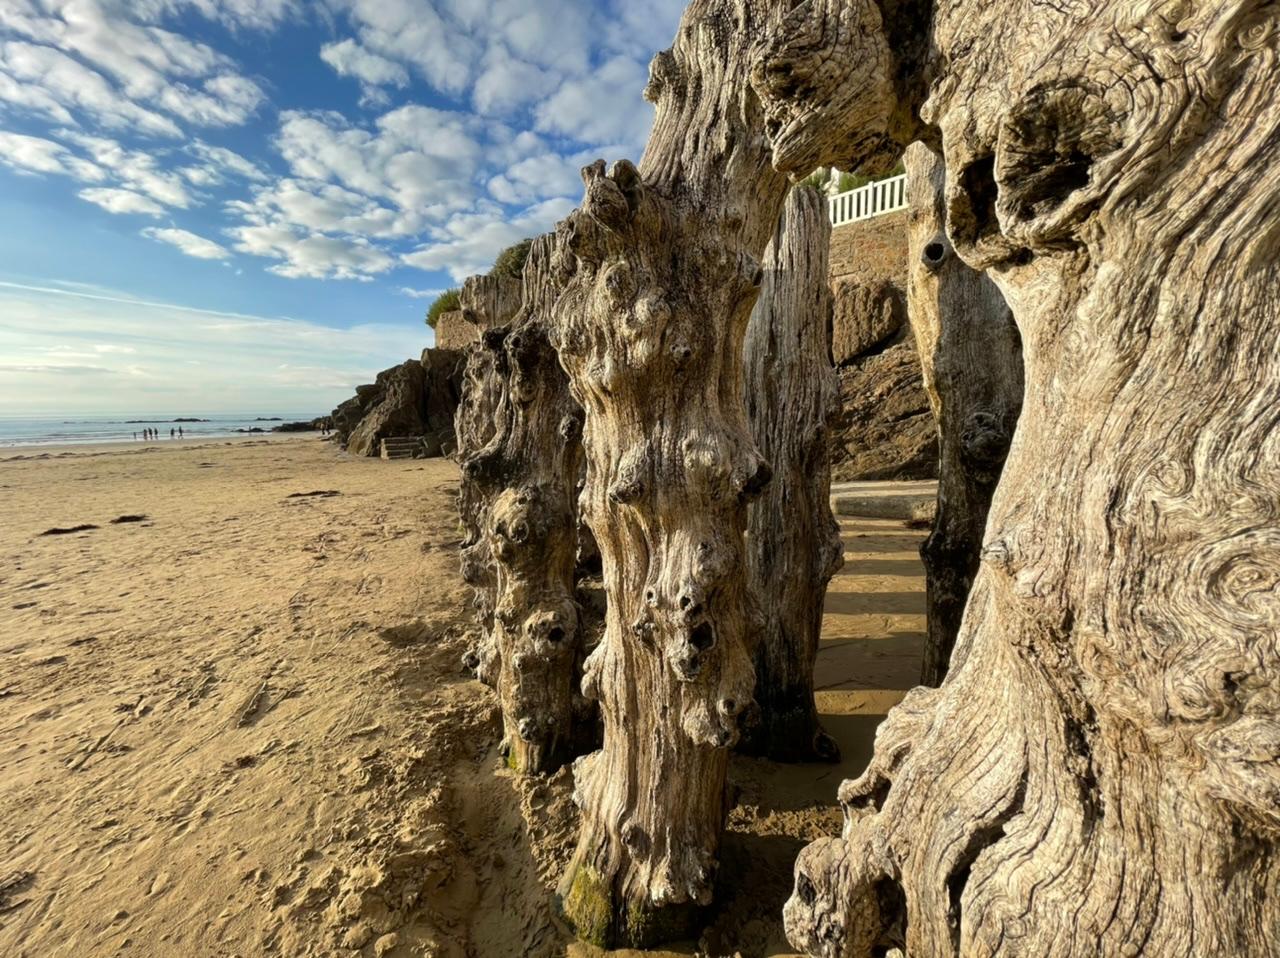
(971, 355)
(660, 268)
(1099, 773)
(793, 542)
(519, 490)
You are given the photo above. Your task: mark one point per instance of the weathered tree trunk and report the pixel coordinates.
(524, 482)
(661, 267)
(660, 277)
(793, 542)
(1099, 773)
(488, 303)
(972, 359)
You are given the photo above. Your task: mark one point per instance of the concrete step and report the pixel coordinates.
(916, 500)
(402, 447)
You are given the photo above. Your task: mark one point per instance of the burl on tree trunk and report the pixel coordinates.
(1099, 773)
(793, 542)
(972, 359)
(521, 485)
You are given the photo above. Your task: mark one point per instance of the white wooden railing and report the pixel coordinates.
(874, 199)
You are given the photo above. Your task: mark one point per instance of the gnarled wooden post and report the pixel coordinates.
(1099, 773)
(793, 542)
(660, 268)
(972, 359)
(525, 479)
(488, 303)
(660, 272)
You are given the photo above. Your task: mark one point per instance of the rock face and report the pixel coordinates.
(454, 332)
(885, 429)
(416, 398)
(866, 315)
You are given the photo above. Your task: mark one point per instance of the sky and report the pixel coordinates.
(248, 205)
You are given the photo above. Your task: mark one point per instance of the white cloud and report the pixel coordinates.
(350, 59)
(416, 33)
(470, 242)
(37, 155)
(188, 243)
(538, 177)
(49, 81)
(420, 293)
(221, 160)
(603, 106)
(326, 208)
(506, 82)
(418, 157)
(136, 170)
(109, 60)
(313, 255)
(122, 201)
(238, 14)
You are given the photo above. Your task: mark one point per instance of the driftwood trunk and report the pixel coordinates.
(519, 485)
(1099, 773)
(793, 542)
(661, 272)
(487, 303)
(972, 359)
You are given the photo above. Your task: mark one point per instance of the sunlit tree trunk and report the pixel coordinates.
(520, 466)
(971, 355)
(1099, 772)
(793, 542)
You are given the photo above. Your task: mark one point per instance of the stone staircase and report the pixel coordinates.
(403, 447)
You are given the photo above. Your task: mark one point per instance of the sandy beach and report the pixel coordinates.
(234, 720)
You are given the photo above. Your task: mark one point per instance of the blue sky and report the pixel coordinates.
(244, 205)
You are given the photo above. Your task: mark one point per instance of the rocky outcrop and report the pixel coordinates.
(866, 314)
(454, 332)
(305, 425)
(885, 428)
(416, 398)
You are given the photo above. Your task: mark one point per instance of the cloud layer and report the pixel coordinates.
(112, 353)
(500, 103)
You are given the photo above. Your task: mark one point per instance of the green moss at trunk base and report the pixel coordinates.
(647, 926)
(588, 907)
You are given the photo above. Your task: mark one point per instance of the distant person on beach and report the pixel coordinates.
(171, 432)
(179, 432)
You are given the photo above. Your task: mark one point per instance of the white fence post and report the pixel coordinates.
(874, 199)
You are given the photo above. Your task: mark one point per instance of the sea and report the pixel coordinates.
(67, 430)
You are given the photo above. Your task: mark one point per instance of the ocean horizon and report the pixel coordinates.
(20, 431)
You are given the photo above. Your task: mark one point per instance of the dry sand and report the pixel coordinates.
(238, 726)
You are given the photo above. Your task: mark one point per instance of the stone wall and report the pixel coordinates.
(871, 251)
(454, 332)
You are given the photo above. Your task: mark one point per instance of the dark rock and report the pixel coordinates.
(866, 316)
(416, 398)
(885, 428)
(306, 425)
